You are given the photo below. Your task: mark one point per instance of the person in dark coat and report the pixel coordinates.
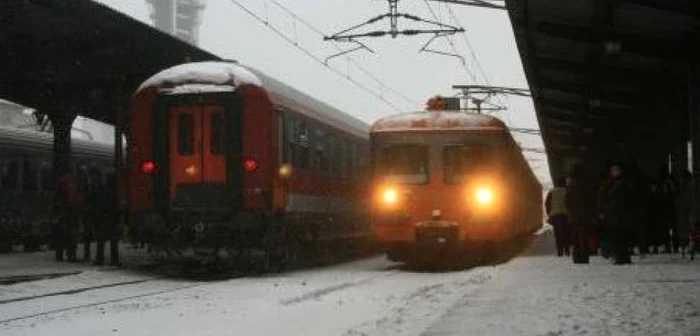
(644, 218)
(684, 205)
(616, 208)
(96, 213)
(664, 210)
(578, 204)
(82, 213)
(113, 219)
(64, 232)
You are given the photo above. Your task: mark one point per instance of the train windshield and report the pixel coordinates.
(407, 164)
(461, 161)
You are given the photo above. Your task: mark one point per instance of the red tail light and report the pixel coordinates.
(148, 167)
(250, 165)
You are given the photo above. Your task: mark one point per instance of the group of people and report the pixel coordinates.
(625, 212)
(85, 213)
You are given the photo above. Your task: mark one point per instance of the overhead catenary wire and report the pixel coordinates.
(350, 60)
(319, 60)
(472, 52)
(452, 44)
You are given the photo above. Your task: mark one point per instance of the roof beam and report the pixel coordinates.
(609, 95)
(629, 42)
(577, 109)
(688, 7)
(634, 79)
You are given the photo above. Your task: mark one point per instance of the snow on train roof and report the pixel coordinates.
(216, 76)
(437, 120)
(285, 95)
(13, 138)
(201, 77)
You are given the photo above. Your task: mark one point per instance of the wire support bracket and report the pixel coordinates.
(359, 46)
(351, 34)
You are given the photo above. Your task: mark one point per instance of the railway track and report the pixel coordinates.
(16, 304)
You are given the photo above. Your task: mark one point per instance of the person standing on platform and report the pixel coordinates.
(64, 233)
(665, 194)
(96, 213)
(555, 205)
(84, 227)
(617, 202)
(578, 204)
(684, 205)
(113, 219)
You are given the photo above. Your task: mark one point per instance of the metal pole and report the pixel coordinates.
(118, 186)
(694, 110)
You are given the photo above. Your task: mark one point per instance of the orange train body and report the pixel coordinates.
(444, 178)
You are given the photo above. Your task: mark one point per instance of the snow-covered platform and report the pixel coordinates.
(545, 295)
(534, 294)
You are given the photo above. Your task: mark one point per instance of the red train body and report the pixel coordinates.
(221, 156)
(449, 179)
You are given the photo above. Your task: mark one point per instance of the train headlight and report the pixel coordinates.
(484, 196)
(390, 196)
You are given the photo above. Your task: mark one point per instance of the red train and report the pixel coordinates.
(223, 158)
(449, 182)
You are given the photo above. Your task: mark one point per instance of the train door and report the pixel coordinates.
(197, 157)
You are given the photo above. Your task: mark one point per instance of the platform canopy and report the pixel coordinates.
(80, 57)
(611, 79)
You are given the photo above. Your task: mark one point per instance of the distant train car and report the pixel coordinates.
(27, 182)
(224, 158)
(449, 181)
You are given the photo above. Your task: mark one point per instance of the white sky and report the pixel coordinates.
(232, 33)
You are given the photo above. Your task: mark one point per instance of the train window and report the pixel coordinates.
(333, 166)
(10, 170)
(350, 158)
(289, 123)
(461, 160)
(185, 130)
(217, 134)
(297, 149)
(81, 178)
(406, 164)
(29, 176)
(342, 155)
(362, 161)
(47, 179)
(320, 151)
(302, 142)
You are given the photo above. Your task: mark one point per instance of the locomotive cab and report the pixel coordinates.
(445, 181)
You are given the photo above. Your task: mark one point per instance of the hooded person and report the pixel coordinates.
(555, 205)
(616, 211)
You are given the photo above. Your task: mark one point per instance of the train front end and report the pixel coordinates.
(202, 155)
(439, 184)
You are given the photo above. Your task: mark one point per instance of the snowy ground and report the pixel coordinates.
(531, 295)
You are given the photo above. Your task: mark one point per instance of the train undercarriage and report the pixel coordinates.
(260, 241)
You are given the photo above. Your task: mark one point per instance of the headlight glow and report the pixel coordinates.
(390, 196)
(285, 171)
(484, 196)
